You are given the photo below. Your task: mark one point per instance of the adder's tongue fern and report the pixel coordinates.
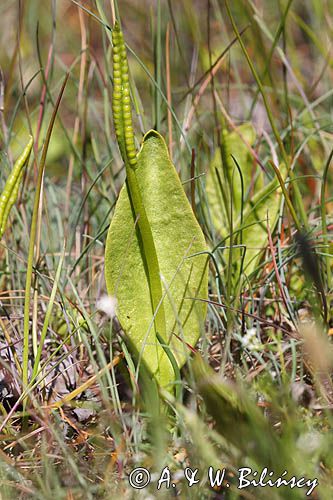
(122, 117)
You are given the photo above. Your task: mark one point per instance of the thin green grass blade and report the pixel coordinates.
(33, 231)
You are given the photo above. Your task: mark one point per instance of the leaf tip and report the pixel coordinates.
(152, 134)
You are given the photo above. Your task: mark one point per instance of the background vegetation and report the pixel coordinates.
(80, 429)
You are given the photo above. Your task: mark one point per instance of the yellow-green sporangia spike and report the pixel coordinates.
(10, 192)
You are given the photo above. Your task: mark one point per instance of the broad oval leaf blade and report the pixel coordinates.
(260, 202)
(236, 143)
(177, 237)
(263, 206)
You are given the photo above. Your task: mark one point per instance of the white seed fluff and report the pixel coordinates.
(107, 304)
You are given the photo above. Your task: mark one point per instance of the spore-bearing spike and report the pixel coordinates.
(122, 114)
